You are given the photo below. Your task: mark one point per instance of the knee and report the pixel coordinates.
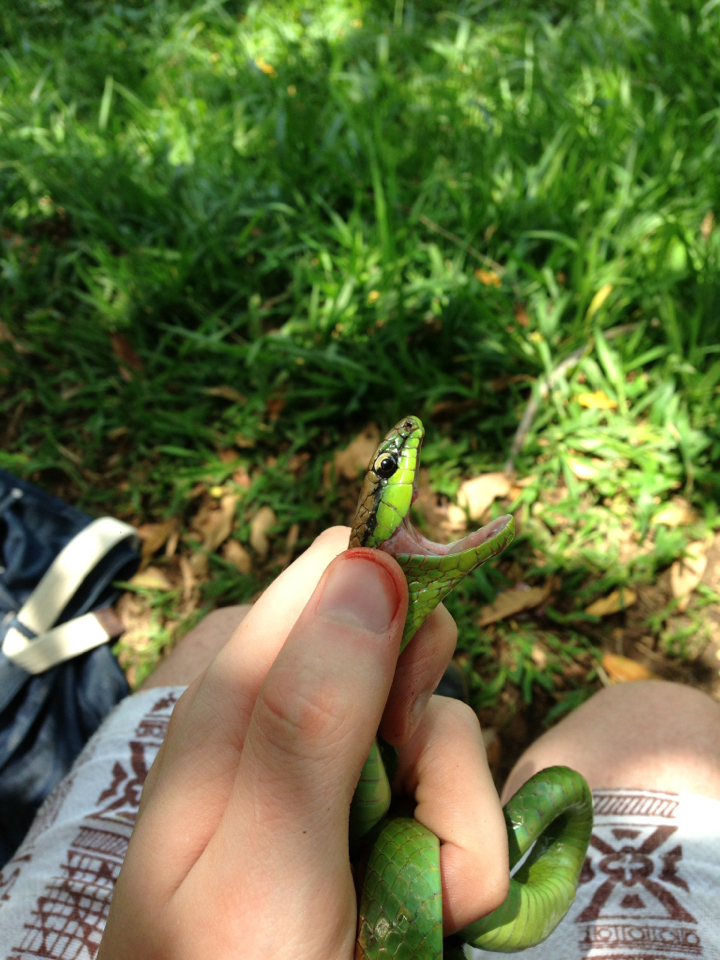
(653, 734)
(652, 709)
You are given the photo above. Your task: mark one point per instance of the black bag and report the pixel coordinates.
(56, 685)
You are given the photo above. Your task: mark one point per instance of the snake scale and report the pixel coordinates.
(399, 891)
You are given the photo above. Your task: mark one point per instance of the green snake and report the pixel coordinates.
(399, 890)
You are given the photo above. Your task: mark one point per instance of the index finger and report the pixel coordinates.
(444, 766)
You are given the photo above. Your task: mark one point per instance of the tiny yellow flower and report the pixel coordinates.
(266, 67)
(488, 277)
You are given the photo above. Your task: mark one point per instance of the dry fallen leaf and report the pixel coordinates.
(227, 393)
(241, 478)
(596, 401)
(539, 656)
(613, 603)
(152, 578)
(5, 333)
(623, 669)
(491, 742)
(598, 300)
(263, 520)
(274, 407)
(188, 577)
(153, 536)
(290, 541)
(214, 521)
(510, 602)
(172, 543)
(124, 351)
(453, 408)
(521, 315)
(245, 443)
(236, 554)
(504, 381)
(707, 226)
(476, 495)
(677, 513)
(356, 456)
(137, 618)
(582, 469)
(199, 565)
(686, 574)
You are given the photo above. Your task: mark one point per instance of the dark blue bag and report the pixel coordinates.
(46, 717)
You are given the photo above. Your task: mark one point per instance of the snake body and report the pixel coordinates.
(399, 899)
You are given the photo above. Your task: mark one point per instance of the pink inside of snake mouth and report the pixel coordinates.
(407, 540)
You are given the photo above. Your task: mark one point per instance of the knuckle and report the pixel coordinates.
(445, 622)
(301, 714)
(495, 886)
(456, 711)
(455, 716)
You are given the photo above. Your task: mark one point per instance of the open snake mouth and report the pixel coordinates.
(407, 540)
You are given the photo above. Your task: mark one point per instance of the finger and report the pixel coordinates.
(255, 644)
(241, 665)
(310, 733)
(419, 671)
(445, 767)
(197, 764)
(281, 604)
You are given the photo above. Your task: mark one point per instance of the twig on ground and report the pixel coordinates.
(483, 258)
(547, 385)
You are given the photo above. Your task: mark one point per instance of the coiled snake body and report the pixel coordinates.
(399, 904)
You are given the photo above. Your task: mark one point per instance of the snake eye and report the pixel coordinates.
(385, 467)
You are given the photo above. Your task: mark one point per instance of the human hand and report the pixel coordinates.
(240, 847)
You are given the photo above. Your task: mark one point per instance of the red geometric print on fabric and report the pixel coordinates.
(121, 798)
(153, 728)
(631, 868)
(640, 804)
(632, 941)
(69, 917)
(161, 705)
(632, 901)
(10, 874)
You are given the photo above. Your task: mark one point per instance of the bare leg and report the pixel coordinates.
(195, 651)
(650, 734)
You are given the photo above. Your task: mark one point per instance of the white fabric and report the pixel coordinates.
(650, 888)
(47, 601)
(55, 893)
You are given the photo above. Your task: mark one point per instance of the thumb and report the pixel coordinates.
(321, 703)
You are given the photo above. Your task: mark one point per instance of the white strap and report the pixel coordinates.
(59, 584)
(59, 644)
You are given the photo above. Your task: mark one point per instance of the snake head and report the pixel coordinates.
(390, 485)
(382, 521)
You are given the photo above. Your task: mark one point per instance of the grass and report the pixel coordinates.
(235, 233)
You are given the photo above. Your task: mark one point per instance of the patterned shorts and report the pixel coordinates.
(649, 890)
(650, 885)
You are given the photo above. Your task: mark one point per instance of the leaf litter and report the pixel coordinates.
(544, 644)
